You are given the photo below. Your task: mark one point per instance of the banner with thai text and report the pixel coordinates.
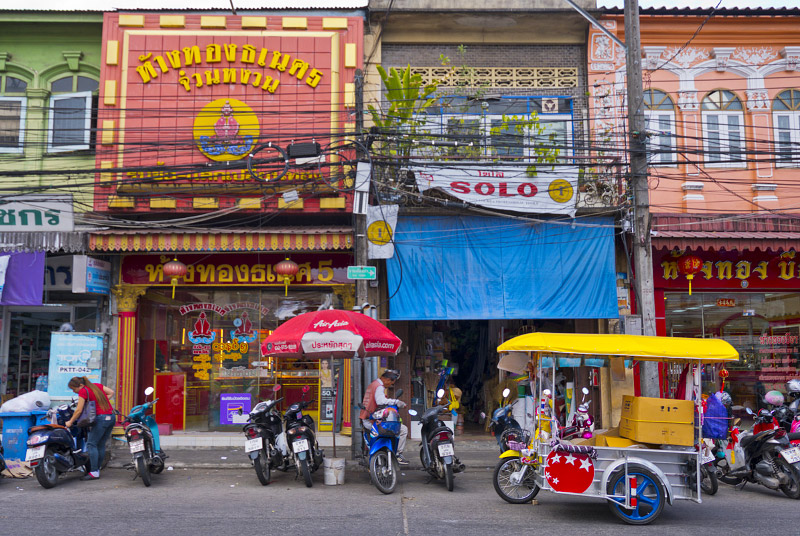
(545, 189)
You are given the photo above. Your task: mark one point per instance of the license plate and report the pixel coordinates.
(790, 455)
(34, 453)
(137, 446)
(446, 449)
(253, 444)
(300, 446)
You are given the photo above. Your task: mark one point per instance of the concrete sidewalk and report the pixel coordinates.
(475, 454)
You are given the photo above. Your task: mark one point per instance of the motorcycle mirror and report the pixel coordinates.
(506, 392)
(440, 393)
(749, 411)
(483, 414)
(546, 392)
(398, 393)
(585, 391)
(412, 412)
(240, 411)
(306, 389)
(276, 388)
(149, 391)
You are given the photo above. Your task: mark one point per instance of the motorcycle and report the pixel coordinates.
(265, 441)
(2, 460)
(769, 458)
(141, 430)
(504, 426)
(437, 452)
(380, 446)
(54, 449)
(300, 435)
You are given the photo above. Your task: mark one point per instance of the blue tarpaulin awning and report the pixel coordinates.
(474, 267)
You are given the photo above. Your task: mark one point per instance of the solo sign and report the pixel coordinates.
(551, 190)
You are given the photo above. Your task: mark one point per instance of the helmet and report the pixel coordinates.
(774, 398)
(724, 397)
(391, 374)
(793, 386)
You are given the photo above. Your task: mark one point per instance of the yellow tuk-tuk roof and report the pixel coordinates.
(639, 347)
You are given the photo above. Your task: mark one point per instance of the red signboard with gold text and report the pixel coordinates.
(729, 270)
(251, 269)
(186, 98)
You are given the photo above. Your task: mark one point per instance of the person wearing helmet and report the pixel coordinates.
(774, 398)
(376, 397)
(793, 393)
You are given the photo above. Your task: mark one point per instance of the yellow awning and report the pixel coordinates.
(636, 346)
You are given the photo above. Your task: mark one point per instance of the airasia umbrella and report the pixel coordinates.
(331, 333)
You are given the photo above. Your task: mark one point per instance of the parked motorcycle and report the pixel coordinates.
(54, 449)
(380, 446)
(504, 426)
(266, 442)
(2, 459)
(437, 452)
(141, 430)
(300, 437)
(769, 459)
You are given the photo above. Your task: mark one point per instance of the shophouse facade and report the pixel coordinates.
(722, 102)
(49, 85)
(185, 98)
(486, 246)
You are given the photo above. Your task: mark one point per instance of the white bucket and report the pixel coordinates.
(334, 471)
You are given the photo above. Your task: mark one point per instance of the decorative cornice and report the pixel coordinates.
(127, 297)
(652, 55)
(722, 55)
(791, 57)
(72, 58)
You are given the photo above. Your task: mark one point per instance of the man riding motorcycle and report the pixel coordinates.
(375, 397)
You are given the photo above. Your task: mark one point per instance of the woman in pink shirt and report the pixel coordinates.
(101, 429)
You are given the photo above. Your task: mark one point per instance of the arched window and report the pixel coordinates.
(786, 121)
(723, 125)
(71, 105)
(660, 116)
(12, 113)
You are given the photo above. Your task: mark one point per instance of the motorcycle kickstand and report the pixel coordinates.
(741, 486)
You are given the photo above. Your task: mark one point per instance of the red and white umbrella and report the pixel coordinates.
(331, 333)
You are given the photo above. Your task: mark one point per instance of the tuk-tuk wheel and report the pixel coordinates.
(650, 495)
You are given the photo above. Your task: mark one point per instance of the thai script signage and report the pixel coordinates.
(237, 269)
(550, 190)
(730, 270)
(37, 213)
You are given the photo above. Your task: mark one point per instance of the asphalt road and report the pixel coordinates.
(196, 501)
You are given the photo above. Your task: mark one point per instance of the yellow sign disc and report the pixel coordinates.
(379, 233)
(560, 191)
(226, 129)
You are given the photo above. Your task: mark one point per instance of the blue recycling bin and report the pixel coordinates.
(15, 432)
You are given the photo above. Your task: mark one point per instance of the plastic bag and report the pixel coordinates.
(33, 401)
(735, 457)
(715, 419)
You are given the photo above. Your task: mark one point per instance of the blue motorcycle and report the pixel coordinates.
(141, 430)
(54, 449)
(380, 447)
(503, 426)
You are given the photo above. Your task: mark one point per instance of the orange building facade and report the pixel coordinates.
(722, 103)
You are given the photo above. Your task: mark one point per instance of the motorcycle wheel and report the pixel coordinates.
(722, 473)
(650, 495)
(448, 476)
(303, 468)
(383, 471)
(46, 472)
(520, 493)
(262, 468)
(792, 489)
(708, 480)
(143, 471)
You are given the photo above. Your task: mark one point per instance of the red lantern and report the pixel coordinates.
(287, 269)
(689, 265)
(174, 269)
(723, 373)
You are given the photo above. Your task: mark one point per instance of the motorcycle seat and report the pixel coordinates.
(747, 440)
(794, 436)
(41, 427)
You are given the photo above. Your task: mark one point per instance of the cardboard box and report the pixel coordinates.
(612, 438)
(657, 420)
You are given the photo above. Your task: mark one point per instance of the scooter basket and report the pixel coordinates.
(388, 428)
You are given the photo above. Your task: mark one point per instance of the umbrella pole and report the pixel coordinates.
(335, 407)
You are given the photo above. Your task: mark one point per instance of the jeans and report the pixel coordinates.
(98, 437)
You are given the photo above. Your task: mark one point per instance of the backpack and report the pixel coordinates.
(715, 420)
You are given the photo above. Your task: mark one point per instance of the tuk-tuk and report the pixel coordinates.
(636, 477)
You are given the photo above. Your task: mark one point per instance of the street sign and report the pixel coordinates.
(362, 272)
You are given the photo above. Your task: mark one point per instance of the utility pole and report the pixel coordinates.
(642, 251)
(360, 221)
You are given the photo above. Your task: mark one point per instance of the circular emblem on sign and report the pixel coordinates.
(569, 471)
(560, 191)
(745, 283)
(379, 233)
(225, 129)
